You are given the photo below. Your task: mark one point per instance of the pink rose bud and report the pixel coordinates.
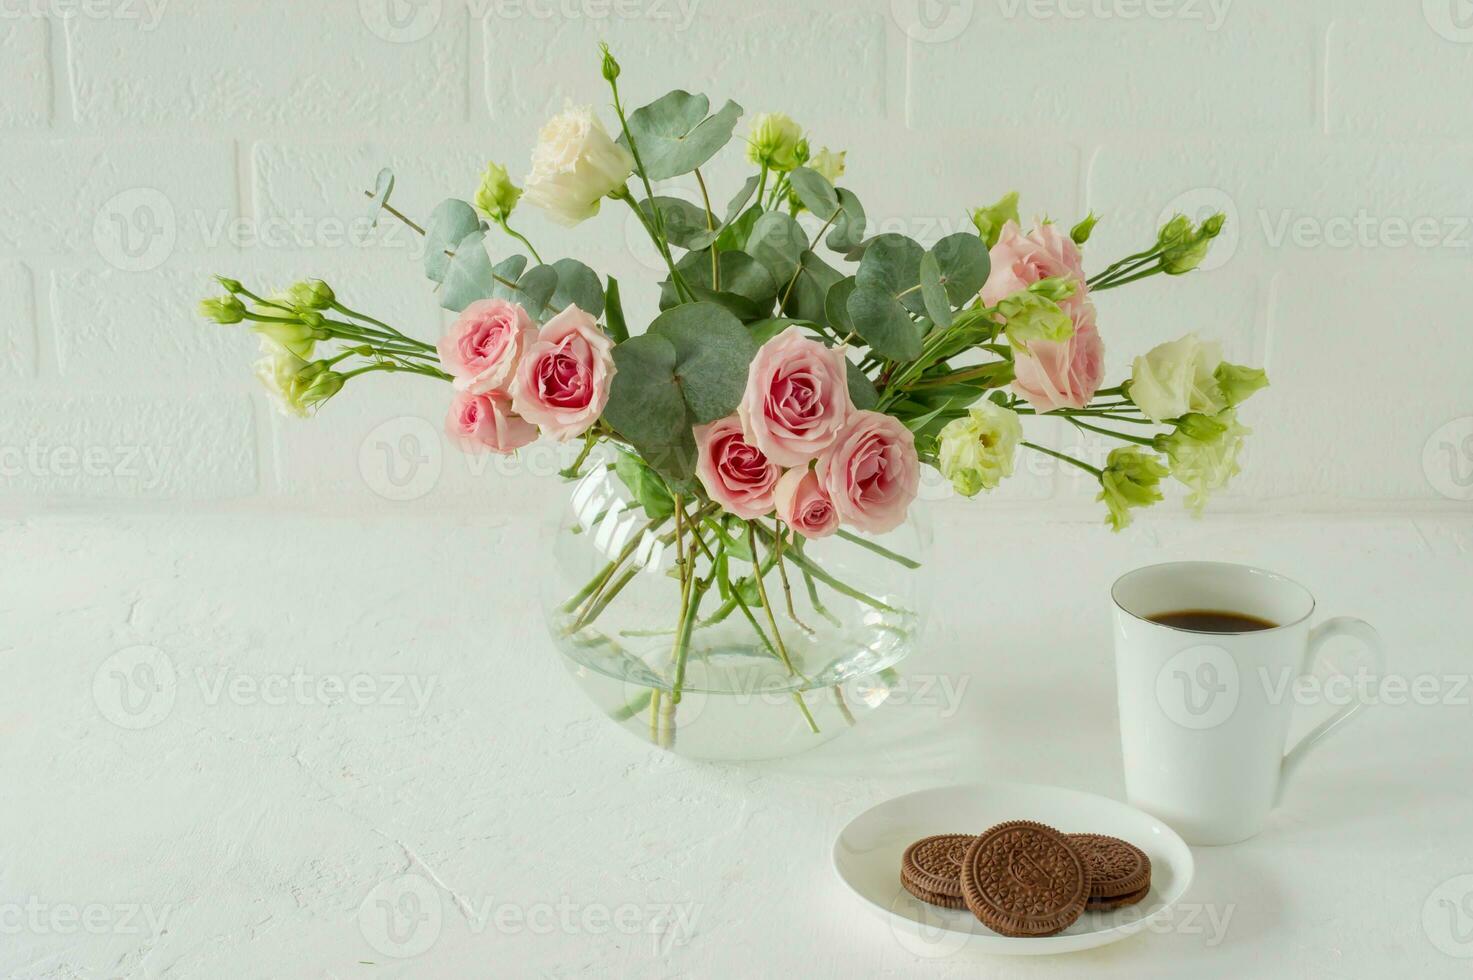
(736, 474)
(797, 398)
(1066, 373)
(1019, 260)
(804, 505)
(871, 472)
(480, 422)
(562, 382)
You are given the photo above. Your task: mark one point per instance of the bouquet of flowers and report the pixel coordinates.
(799, 372)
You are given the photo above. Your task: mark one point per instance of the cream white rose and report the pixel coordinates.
(575, 166)
(1175, 378)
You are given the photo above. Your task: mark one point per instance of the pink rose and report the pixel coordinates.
(735, 473)
(1019, 260)
(871, 472)
(562, 382)
(804, 505)
(797, 398)
(480, 422)
(1065, 373)
(483, 345)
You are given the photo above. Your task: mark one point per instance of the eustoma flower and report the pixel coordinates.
(1175, 378)
(735, 473)
(478, 422)
(562, 382)
(1063, 373)
(976, 451)
(1204, 451)
(483, 346)
(575, 165)
(871, 472)
(804, 505)
(797, 398)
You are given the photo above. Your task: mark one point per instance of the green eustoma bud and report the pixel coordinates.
(229, 285)
(989, 220)
(1131, 478)
(1030, 317)
(1080, 233)
(226, 309)
(311, 294)
(610, 66)
(497, 196)
(1238, 382)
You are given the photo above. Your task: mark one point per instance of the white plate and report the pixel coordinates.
(868, 851)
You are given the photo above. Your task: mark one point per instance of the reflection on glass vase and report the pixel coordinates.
(735, 659)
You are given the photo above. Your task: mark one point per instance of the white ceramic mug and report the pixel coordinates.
(1204, 717)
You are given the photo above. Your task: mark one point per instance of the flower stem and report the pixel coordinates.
(1138, 440)
(1066, 458)
(506, 227)
(878, 549)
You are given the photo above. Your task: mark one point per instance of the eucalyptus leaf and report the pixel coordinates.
(862, 390)
(675, 136)
(764, 330)
(734, 235)
(468, 276)
(684, 222)
(892, 263)
(645, 406)
(614, 307)
(883, 323)
(578, 285)
(713, 351)
(933, 294)
(815, 191)
(964, 265)
(740, 198)
(449, 224)
(536, 288)
(747, 288)
(778, 243)
(383, 186)
(806, 296)
(836, 306)
(848, 230)
(510, 269)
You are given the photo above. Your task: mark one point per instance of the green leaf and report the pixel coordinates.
(862, 390)
(836, 306)
(536, 288)
(647, 489)
(815, 191)
(511, 270)
(809, 291)
(747, 288)
(685, 223)
(964, 266)
(614, 307)
(778, 243)
(467, 278)
(734, 235)
(848, 230)
(933, 294)
(764, 330)
(880, 319)
(645, 406)
(713, 351)
(892, 263)
(383, 186)
(577, 284)
(675, 136)
(740, 198)
(449, 224)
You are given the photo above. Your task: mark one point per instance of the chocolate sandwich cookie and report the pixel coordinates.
(932, 865)
(932, 898)
(1022, 878)
(1106, 904)
(1117, 868)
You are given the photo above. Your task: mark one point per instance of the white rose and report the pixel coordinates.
(575, 165)
(1176, 378)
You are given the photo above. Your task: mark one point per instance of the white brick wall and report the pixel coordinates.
(145, 144)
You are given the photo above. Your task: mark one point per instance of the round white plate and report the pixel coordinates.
(868, 851)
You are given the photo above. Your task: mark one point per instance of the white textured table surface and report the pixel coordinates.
(241, 829)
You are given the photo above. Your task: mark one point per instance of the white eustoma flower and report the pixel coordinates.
(1175, 378)
(977, 450)
(575, 166)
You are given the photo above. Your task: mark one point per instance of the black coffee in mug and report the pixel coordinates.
(1212, 621)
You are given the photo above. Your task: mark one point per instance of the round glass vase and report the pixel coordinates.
(760, 666)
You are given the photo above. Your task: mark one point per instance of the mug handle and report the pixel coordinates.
(1347, 626)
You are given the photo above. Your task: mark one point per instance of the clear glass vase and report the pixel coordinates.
(768, 667)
